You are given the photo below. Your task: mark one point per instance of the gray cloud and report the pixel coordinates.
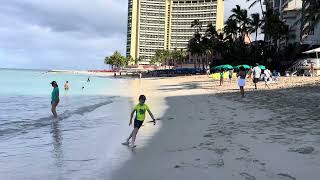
(97, 17)
(63, 34)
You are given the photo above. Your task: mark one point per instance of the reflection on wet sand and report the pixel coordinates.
(57, 152)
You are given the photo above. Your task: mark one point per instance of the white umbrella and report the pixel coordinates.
(317, 51)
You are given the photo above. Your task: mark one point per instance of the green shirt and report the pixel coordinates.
(141, 111)
(55, 94)
(221, 74)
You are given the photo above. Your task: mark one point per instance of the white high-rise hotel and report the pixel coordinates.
(166, 24)
(290, 12)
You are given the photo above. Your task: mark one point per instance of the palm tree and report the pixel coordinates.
(255, 24)
(310, 17)
(178, 56)
(254, 2)
(197, 25)
(231, 28)
(241, 16)
(116, 59)
(195, 46)
(274, 28)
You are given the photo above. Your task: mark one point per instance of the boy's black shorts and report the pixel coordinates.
(137, 123)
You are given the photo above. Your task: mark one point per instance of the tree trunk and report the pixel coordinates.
(261, 8)
(195, 61)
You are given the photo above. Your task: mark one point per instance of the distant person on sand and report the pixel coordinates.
(208, 71)
(54, 98)
(312, 69)
(242, 80)
(267, 77)
(250, 73)
(140, 111)
(66, 86)
(221, 77)
(230, 75)
(256, 75)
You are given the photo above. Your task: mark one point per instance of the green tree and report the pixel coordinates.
(254, 2)
(130, 60)
(178, 56)
(255, 24)
(197, 25)
(116, 59)
(241, 16)
(231, 28)
(274, 28)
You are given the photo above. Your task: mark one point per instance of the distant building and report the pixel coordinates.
(166, 24)
(291, 12)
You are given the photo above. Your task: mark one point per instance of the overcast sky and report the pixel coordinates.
(65, 34)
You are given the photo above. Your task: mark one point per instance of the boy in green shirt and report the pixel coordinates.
(140, 111)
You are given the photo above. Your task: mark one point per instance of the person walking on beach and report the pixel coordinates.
(242, 80)
(256, 75)
(66, 86)
(221, 77)
(140, 111)
(267, 76)
(250, 73)
(54, 98)
(230, 75)
(312, 69)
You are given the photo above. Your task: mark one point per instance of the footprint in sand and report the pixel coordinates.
(245, 149)
(208, 135)
(247, 176)
(303, 150)
(286, 176)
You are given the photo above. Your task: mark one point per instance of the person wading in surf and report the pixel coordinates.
(54, 98)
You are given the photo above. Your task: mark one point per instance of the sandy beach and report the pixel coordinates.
(209, 132)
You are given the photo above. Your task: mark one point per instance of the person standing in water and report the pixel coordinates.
(66, 86)
(54, 98)
(88, 80)
(140, 111)
(242, 80)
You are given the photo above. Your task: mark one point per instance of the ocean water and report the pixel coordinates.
(82, 143)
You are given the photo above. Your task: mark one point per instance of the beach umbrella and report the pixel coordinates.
(217, 67)
(225, 67)
(262, 67)
(243, 65)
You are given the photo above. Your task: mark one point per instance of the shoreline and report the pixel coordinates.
(210, 132)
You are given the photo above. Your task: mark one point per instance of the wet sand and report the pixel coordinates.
(209, 132)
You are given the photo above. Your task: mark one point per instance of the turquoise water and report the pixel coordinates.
(15, 82)
(84, 140)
